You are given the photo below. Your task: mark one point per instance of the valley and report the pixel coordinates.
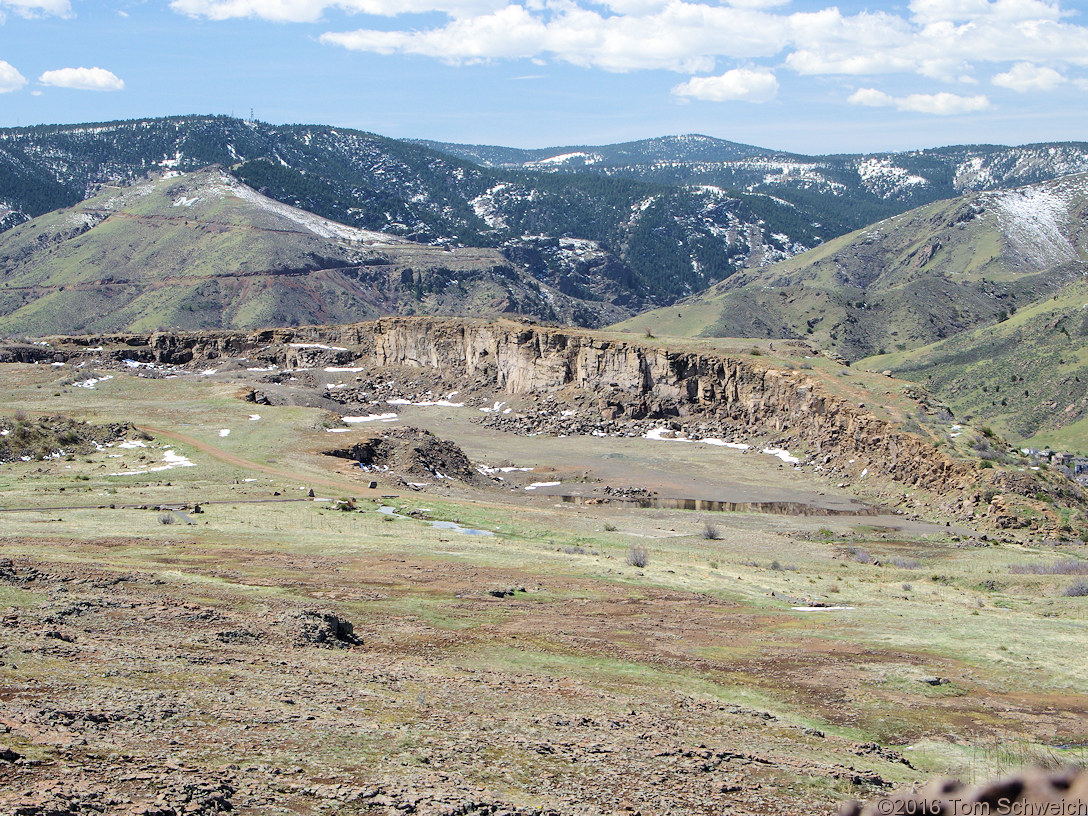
(204, 609)
(344, 474)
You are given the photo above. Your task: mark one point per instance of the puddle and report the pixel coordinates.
(438, 525)
(776, 508)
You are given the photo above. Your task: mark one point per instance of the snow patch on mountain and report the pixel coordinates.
(884, 178)
(322, 227)
(1036, 222)
(487, 207)
(577, 158)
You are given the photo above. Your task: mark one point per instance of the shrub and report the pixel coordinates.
(167, 518)
(905, 563)
(1077, 589)
(860, 554)
(611, 528)
(637, 556)
(1068, 566)
(710, 531)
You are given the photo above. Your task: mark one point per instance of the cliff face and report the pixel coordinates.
(638, 380)
(627, 380)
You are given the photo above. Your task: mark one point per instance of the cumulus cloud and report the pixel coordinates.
(1024, 77)
(744, 84)
(938, 39)
(682, 36)
(308, 11)
(871, 98)
(942, 104)
(938, 104)
(958, 11)
(10, 78)
(36, 8)
(942, 41)
(83, 79)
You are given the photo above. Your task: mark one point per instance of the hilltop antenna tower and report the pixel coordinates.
(252, 118)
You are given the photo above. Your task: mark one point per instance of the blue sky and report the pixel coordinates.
(805, 76)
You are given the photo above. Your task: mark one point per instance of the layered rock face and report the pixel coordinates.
(625, 378)
(637, 381)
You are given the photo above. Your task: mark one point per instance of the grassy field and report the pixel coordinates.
(586, 681)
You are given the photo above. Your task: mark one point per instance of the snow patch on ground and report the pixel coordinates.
(442, 403)
(171, 459)
(370, 418)
(321, 346)
(224, 432)
(92, 382)
(664, 434)
(535, 485)
(782, 454)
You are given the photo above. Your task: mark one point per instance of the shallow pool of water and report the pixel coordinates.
(438, 525)
(778, 508)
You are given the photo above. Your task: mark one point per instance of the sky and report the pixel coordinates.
(799, 75)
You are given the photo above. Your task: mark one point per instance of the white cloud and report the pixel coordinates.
(757, 3)
(871, 97)
(36, 8)
(938, 104)
(938, 39)
(958, 11)
(10, 78)
(1024, 77)
(680, 37)
(744, 84)
(942, 104)
(941, 41)
(308, 11)
(83, 79)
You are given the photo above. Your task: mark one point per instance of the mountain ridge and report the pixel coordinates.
(203, 250)
(906, 281)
